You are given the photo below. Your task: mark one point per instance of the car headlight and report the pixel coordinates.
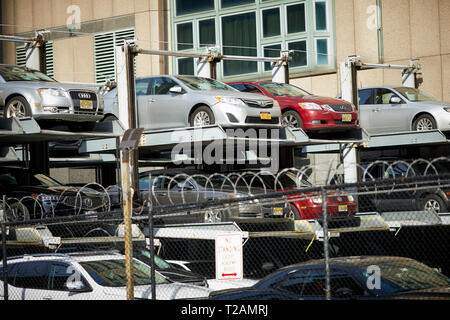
(231, 100)
(47, 198)
(327, 107)
(350, 198)
(52, 92)
(309, 106)
(317, 200)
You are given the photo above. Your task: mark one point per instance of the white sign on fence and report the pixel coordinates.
(229, 257)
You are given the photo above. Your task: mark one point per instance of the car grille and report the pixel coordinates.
(340, 122)
(258, 103)
(77, 96)
(341, 107)
(258, 120)
(87, 203)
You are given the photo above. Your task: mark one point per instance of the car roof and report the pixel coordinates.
(69, 257)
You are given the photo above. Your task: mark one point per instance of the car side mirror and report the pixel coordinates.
(344, 293)
(76, 286)
(395, 100)
(176, 90)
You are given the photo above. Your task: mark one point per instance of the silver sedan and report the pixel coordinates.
(29, 93)
(182, 101)
(397, 109)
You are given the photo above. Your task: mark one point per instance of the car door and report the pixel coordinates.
(32, 279)
(366, 113)
(387, 115)
(161, 109)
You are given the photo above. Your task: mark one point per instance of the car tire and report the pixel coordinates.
(202, 116)
(434, 203)
(17, 212)
(292, 119)
(213, 216)
(424, 122)
(17, 106)
(294, 214)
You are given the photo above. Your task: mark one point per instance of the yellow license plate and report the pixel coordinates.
(265, 116)
(343, 208)
(346, 118)
(86, 104)
(278, 211)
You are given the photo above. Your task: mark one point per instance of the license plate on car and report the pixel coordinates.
(346, 118)
(277, 211)
(265, 116)
(343, 208)
(86, 104)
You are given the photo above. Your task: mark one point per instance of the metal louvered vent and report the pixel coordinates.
(104, 53)
(21, 56)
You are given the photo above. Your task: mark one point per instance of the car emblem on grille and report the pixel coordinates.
(83, 95)
(87, 202)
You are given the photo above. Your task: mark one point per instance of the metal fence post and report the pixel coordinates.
(325, 243)
(4, 253)
(151, 237)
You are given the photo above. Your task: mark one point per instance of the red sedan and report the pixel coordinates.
(300, 109)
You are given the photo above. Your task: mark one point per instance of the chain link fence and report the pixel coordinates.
(298, 237)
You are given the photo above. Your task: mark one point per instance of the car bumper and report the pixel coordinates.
(320, 120)
(229, 115)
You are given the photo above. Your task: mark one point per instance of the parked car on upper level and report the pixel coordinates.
(396, 109)
(187, 101)
(30, 93)
(399, 278)
(301, 109)
(31, 196)
(87, 276)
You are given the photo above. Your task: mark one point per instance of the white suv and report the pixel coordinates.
(86, 276)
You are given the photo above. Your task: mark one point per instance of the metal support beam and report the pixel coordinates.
(280, 68)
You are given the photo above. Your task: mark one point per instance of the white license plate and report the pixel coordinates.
(86, 104)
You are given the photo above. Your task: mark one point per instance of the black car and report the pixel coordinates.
(414, 196)
(32, 196)
(362, 278)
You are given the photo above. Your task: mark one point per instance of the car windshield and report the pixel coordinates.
(415, 95)
(15, 73)
(144, 256)
(111, 273)
(283, 90)
(18, 178)
(204, 84)
(401, 276)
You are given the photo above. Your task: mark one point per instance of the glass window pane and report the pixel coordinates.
(184, 36)
(273, 51)
(239, 43)
(296, 21)
(186, 66)
(299, 57)
(322, 51)
(193, 6)
(321, 15)
(232, 3)
(271, 22)
(207, 30)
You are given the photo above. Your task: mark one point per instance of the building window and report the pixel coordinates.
(256, 28)
(271, 22)
(184, 7)
(185, 66)
(104, 53)
(296, 19)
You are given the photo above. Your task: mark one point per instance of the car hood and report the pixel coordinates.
(180, 275)
(314, 99)
(432, 293)
(168, 291)
(66, 190)
(47, 84)
(233, 94)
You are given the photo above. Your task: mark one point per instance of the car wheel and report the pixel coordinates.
(434, 203)
(292, 119)
(202, 116)
(424, 122)
(294, 214)
(17, 212)
(214, 216)
(17, 107)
